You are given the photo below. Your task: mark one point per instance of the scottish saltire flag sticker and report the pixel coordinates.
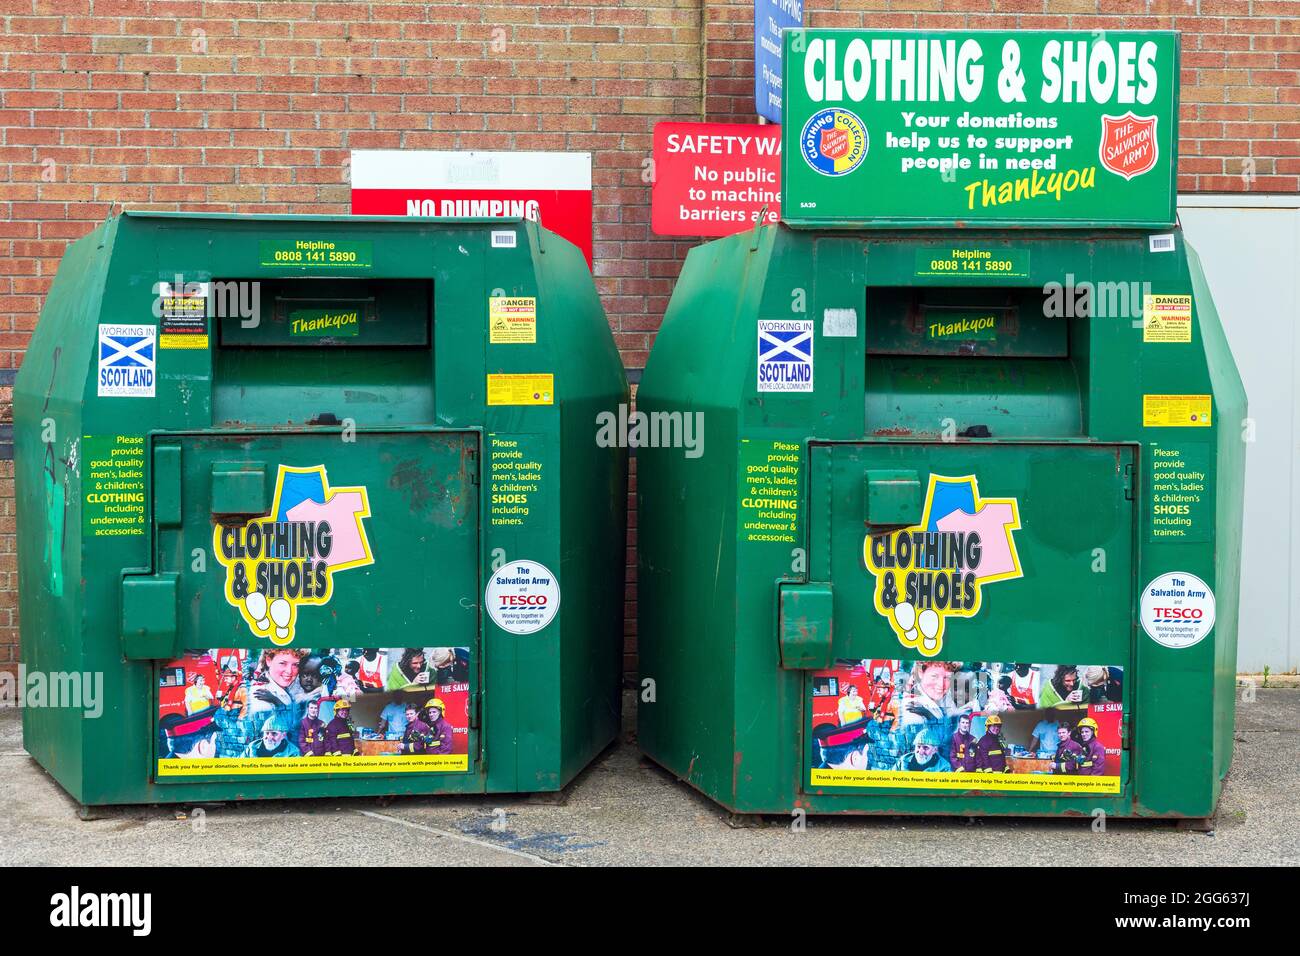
(785, 355)
(127, 361)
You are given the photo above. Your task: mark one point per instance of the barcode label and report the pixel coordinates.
(1163, 243)
(503, 239)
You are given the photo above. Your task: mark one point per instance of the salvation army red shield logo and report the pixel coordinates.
(835, 143)
(1128, 144)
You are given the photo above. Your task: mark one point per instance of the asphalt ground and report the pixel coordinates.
(624, 810)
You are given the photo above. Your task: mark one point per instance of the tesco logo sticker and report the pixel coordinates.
(522, 597)
(1177, 610)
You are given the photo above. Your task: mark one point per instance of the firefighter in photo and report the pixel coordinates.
(340, 735)
(961, 751)
(311, 732)
(882, 688)
(230, 685)
(417, 736)
(274, 741)
(924, 755)
(432, 715)
(991, 751)
(1068, 752)
(844, 747)
(1092, 756)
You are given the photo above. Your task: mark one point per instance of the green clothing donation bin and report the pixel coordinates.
(965, 538)
(299, 500)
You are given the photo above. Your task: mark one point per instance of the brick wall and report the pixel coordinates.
(253, 107)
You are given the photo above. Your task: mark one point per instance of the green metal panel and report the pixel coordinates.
(126, 493)
(807, 615)
(893, 497)
(1062, 421)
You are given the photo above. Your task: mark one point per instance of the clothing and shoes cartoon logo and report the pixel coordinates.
(278, 562)
(936, 569)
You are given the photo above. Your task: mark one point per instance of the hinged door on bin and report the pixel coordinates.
(283, 546)
(982, 606)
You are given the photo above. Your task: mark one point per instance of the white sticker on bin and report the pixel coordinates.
(840, 323)
(522, 597)
(1177, 610)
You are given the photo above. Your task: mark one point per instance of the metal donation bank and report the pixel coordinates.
(244, 442)
(967, 537)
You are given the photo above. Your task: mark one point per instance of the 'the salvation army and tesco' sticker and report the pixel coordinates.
(522, 597)
(1177, 610)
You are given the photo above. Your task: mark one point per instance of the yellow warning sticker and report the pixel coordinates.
(531, 389)
(1166, 318)
(1176, 411)
(512, 319)
(183, 341)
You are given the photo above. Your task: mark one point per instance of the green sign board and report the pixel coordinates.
(984, 128)
(313, 251)
(969, 262)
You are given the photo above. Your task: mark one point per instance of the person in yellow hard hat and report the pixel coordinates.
(1092, 760)
(991, 751)
(440, 727)
(340, 735)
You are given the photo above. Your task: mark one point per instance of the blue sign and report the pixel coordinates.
(770, 18)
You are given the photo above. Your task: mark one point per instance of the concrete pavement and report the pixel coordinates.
(624, 810)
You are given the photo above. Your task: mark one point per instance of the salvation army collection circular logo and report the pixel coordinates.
(834, 142)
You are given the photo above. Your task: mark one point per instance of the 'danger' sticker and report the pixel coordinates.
(281, 561)
(937, 569)
(522, 597)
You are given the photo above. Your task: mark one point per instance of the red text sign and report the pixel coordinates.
(551, 188)
(713, 179)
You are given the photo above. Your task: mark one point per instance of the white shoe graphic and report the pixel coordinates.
(905, 618)
(928, 623)
(256, 605)
(280, 611)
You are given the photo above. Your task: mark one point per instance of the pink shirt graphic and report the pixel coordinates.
(341, 512)
(991, 522)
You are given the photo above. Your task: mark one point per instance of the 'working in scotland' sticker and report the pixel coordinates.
(785, 355)
(127, 361)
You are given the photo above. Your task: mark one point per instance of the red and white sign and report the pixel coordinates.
(713, 179)
(1128, 144)
(551, 188)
